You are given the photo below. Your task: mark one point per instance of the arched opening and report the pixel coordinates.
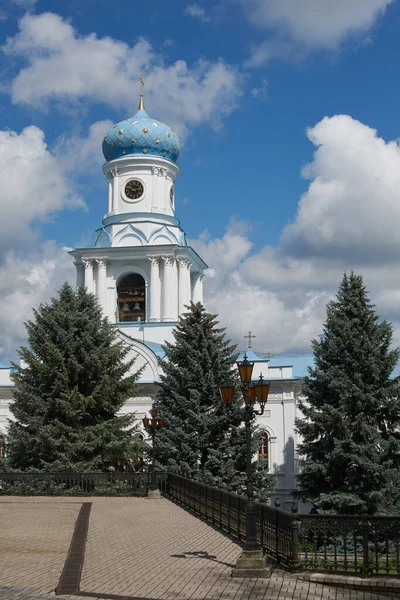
(131, 298)
(263, 451)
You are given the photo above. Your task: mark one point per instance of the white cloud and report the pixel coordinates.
(260, 92)
(320, 23)
(66, 68)
(296, 25)
(347, 219)
(197, 12)
(352, 206)
(225, 254)
(283, 320)
(34, 187)
(82, 153)
(25, 283)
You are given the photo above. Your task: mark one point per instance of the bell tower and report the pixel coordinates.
(141, 268)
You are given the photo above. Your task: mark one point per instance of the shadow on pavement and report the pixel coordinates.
(202, 554)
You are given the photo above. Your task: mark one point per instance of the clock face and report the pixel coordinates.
(171, 194)
(134, 189)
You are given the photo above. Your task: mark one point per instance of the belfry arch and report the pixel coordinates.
(131, 298)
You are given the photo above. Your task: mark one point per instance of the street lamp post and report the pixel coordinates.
(151, 426)
(251, 563)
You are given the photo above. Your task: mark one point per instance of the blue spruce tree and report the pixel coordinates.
(203, 439)
(72, 383)
(350, 450)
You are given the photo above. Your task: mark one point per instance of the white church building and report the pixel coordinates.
(144, 273)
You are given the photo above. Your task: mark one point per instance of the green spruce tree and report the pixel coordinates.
(72, 381)
(203, 439)
(350, 446)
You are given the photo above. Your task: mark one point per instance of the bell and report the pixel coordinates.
(136, 306)
(125, 307)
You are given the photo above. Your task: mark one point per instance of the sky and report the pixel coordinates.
(288, 112)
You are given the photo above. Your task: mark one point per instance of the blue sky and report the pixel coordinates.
(284, 183)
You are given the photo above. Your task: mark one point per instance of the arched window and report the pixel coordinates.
(263, 451)
(131, 293)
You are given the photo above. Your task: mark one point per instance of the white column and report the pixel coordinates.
(197, 292)
(89, 282)
(110, 195)
(79, 272)
(101, 282)
(183, 285)
(169, 293)
(115, 190)
(155, 296)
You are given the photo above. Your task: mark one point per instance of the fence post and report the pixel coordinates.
(277, 507)
(365, 538)
(229, 512)
(295, 535)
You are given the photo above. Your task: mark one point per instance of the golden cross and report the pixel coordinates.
(249, 337)
(141, 83)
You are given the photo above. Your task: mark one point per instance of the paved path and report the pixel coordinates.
(136, 548)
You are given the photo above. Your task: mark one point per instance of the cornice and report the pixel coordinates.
(127, 253)
(136, 162)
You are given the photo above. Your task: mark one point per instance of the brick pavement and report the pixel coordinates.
(136, 548)
(35, 534)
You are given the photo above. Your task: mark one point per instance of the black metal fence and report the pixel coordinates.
(276, 530)
(77, 484)
(360, 545)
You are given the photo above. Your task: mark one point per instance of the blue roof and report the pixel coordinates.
(281, 361)
(301, 364)
(141, 135)
(156, 348)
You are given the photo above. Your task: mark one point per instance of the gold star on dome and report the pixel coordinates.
(168, 134)
(174, 148)
(123, 151)
(120, 132)
(112, 144)
(145, 130)
(157, 142)
(114, 126)
(144, 150)
(155, 124)
(105, 138)
(164, 154)
(109, 156)
(134, 122)
(133, 140)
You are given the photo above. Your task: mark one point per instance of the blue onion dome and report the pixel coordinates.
(141, 135)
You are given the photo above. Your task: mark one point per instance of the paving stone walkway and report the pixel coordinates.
(136, 548)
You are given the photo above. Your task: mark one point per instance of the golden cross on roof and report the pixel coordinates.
(249, 337)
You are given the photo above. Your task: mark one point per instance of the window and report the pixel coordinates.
(2, 446)
(131, 293)
(263, 451)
